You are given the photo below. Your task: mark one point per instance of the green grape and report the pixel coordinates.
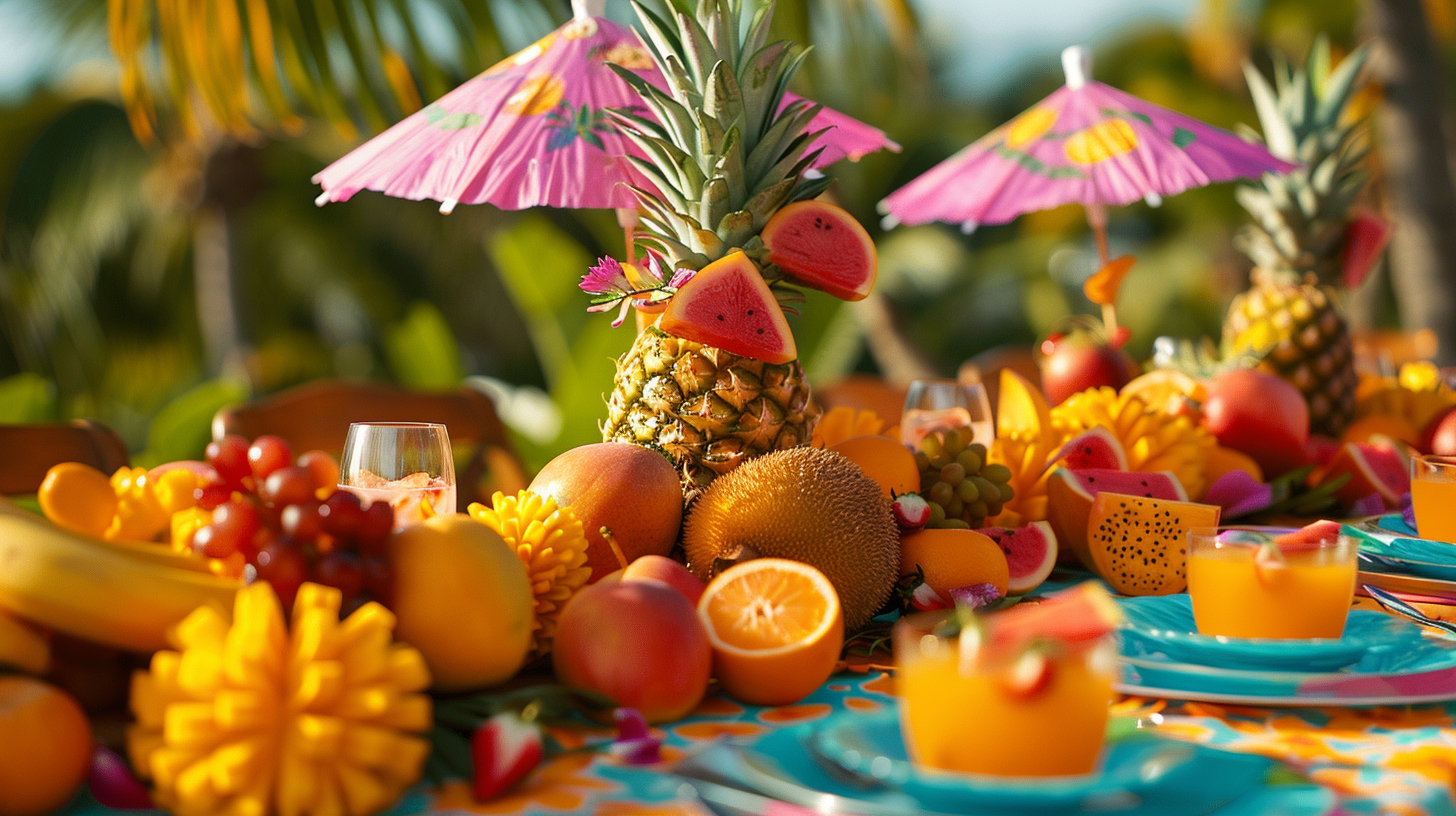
(953, 473)
(966, 491)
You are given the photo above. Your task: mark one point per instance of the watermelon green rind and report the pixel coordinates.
(727, 304)
(823, 247)
(1031, 554)
(1139, 546)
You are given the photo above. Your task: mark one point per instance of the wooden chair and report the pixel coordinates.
(28, 451)
(316, 416)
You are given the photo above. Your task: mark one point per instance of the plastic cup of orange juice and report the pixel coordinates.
(1248, 583)
(974, 703)
(1433, 496)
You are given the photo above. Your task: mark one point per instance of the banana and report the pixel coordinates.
(22, 647)
(86, 588)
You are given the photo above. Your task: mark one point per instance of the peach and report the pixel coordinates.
(664, 569)
(639, 643)
(630, 490)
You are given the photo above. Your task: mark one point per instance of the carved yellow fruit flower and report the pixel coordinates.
(842, 422)
(1026, 458)
(139, 514)
(551, 542)
(1100, 142)
(252, 718)
(536, 96)
(1029, 126)
(1417, 395)
(1153, 440)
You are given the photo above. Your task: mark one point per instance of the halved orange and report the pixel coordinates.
(776, 629)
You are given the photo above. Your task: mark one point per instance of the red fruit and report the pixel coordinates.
(823, 247)
(375, 527)
(204, 472)
(378, 579)
(267, 454)
(664, 569)
(1031, 553)
(229, 457)
(285, 568)
(287, 485)
(234, 523)
(503, 750)
(1096, 448)
(342, 571)
(342, 515)
(1260, 415)
(324, 468)
(926, 599)
(114, 785)
(1320, 449)
(1072, 366)
(728, 305)
(302, 521)
(1439, 437)
(1365, 238)
(1029, 676)
(211, 495)
(911, 511)
(1070, 494)
(640, 643)
(1309, 536)
(1374, 467)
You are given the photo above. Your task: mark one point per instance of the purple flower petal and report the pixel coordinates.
(1239, 494)
(681, 277)
(606, 278)
(1408, 515)
(631, 725)
(1371, 505)
(645, 751)
(976, 595)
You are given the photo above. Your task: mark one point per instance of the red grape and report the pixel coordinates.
(285, 568)
(207, 542)
(340, 570)
(302, 521)
(375, 528)
(285, 486)
(342, 515)
(268, 454)
(323, 467)
(234, 524)
(378, 579)
(210, 495)
(229, 457)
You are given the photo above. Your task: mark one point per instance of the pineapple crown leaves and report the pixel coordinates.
(722, 156)
(1300, 217)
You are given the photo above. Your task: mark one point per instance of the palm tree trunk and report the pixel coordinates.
(1423, 204)
(212, 274)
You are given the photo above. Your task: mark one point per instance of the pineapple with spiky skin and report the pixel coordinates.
(723, 159)
(1290, 318)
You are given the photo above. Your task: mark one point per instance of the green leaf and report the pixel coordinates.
(27, 397)
(422, 351)
(182, 429)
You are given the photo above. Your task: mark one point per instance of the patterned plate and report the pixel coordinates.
(1387, 547)
(1163, 626)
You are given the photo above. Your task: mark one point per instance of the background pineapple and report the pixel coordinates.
(723, 160)
(1290, 318)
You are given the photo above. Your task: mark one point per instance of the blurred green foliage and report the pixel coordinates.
(107, 309)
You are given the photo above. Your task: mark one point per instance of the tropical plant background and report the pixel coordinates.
(161, 255)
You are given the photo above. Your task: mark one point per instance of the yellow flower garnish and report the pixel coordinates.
(252, 718)
(552, 544)
(1153, 440)
(139, 515)
(841, 423)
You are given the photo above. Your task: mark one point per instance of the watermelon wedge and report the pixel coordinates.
(824, 247)
(1070, 494)
(727, 304)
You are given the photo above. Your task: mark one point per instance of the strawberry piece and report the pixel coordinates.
(925, 599)
(911, 512)
(1029, 676)
(504, 749)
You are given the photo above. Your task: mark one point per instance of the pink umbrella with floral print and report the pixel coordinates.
(534, 131)
(1088, 143)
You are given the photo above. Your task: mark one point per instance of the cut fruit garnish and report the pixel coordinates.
(1309, 537)
(1029, 675)
(1081, 614)
(727, 304)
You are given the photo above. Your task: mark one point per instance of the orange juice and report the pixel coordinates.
(1433, 497)
(1037, 707)
(1239, 591)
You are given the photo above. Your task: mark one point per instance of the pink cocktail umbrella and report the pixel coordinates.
(534, 130)
(1088, 143)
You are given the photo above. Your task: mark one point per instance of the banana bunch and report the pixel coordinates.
(118, 593)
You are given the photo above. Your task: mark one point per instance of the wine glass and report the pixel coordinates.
(409, 465)
(941, 405)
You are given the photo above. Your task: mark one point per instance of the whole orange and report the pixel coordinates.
(883, 459)
(78, 497)
(632, 491)
(45, 747)
(952, 559)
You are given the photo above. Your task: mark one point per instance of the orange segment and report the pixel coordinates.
(1102, 287)
(776, 629)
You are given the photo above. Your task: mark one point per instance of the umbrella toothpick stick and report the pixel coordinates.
(627, 220)
(1097, 218)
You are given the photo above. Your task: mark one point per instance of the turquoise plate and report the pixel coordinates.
(1140, 774)
(1386, 547)
(1163, 626)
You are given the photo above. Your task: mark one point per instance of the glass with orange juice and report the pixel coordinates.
(1257, 584)
(1433, 497)
(1037, 676)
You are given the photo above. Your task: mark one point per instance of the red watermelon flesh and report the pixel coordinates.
(728, 305)
(1309, 536)
(1081, 614)
(823, 247)
(1031, 553)
(1096, 448)
(1070, 494)
(1374, 467)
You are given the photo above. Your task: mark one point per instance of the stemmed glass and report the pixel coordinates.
(407, 464)
(941, 405)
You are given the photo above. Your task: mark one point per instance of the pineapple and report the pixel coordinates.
(723, 160)
(1290, 318)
